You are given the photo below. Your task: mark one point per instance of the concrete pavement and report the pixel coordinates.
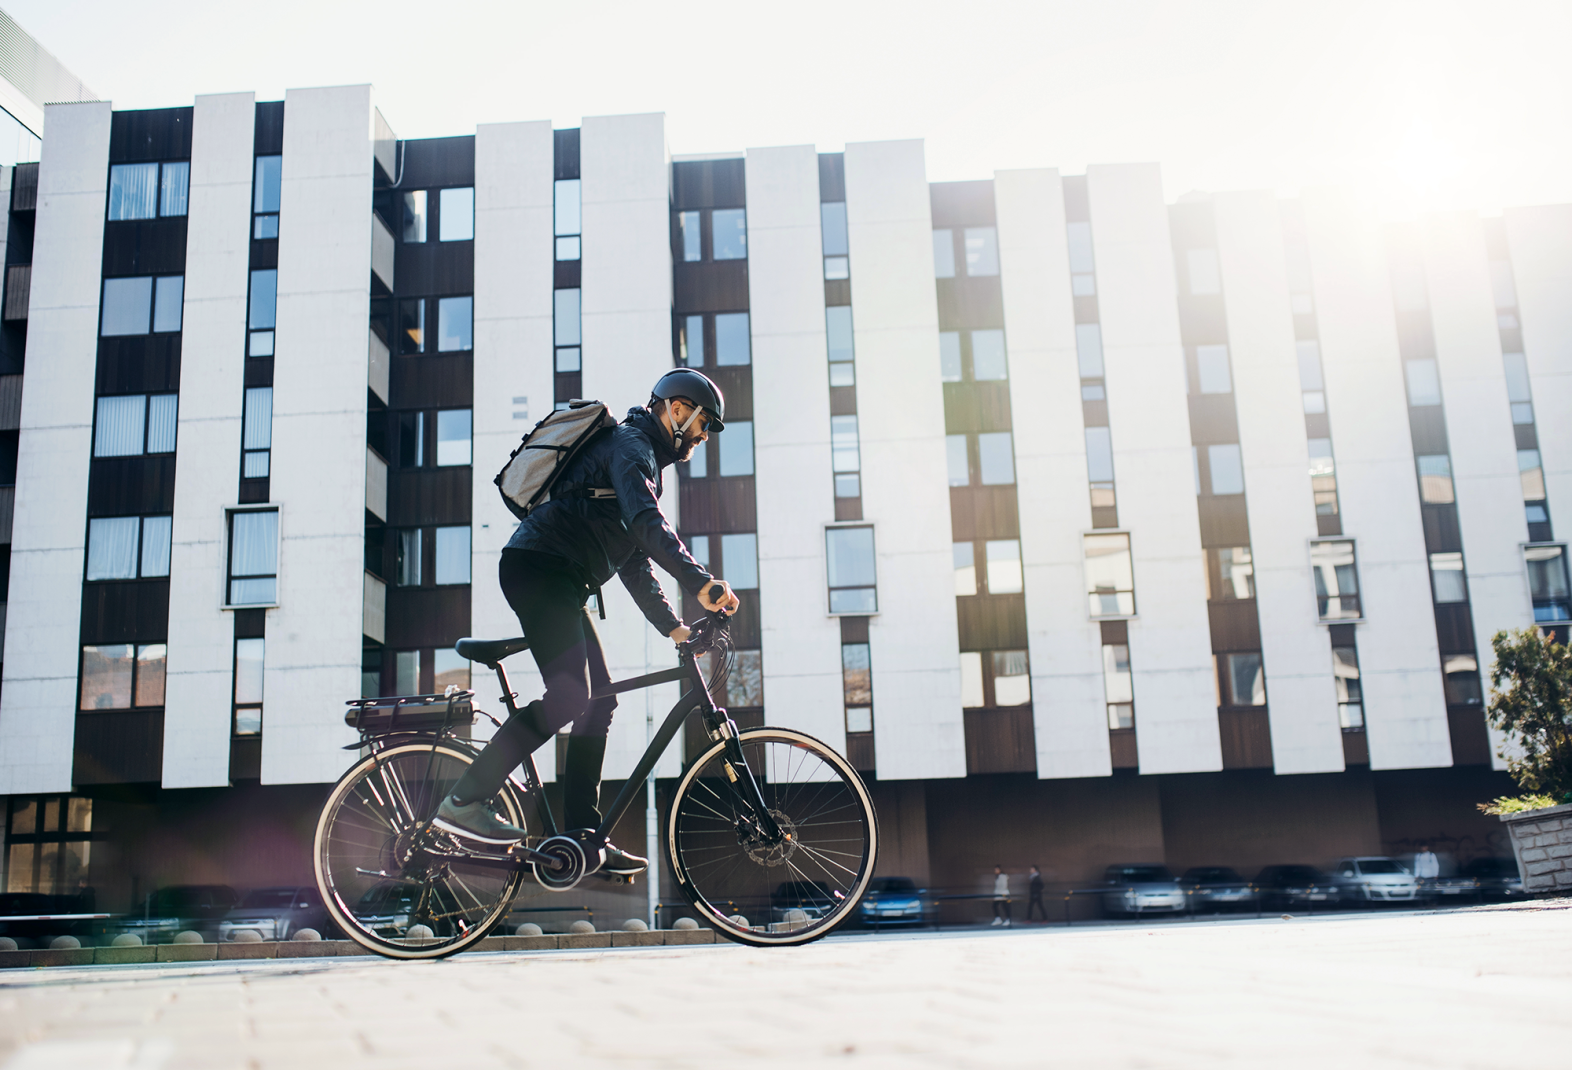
(1482, 987)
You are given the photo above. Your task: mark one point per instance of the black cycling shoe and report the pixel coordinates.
(475, 821)
(622, 864)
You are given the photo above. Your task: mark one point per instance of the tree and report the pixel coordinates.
(1532, 703)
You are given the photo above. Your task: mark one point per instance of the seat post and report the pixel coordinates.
(507, 691)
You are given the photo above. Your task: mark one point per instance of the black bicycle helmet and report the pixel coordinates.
(697, 388)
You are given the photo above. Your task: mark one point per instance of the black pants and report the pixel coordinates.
(551, 609)
(1001, 909)
(1036, 900)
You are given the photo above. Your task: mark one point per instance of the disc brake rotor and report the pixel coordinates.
(776, 854)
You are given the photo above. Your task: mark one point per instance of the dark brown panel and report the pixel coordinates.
(121, 486)
(1525, 434)
(832, 176)
(145, 247)
(711, 286)
(966, 303)
(264, 253)
(259, 371)
(1356, 748)
(1202, 321)
(843, 400)
(962, 204)
(1212, 419)
(718, 505)
(567, 274)
(253, 490)
(709, 184)
(141, 364)
(125, 611)
(837, 292)
(859, 751)
(1115, 632)
(1470, 740)
(1086, 309)
(1246, 737)
(435, 268)
(1427, 429)
(1328, 524)
(245, 758)
(1223, 520)
(984, 513)
(118, 747)
(24, 188)
(7, 514)
(438, 161)
(1454, 628)
(1000, 741)
(1122, 748)
(972, 407)
(1235, 626)
(250, 623)
(854, 629)
(435, 381)
(991, 621)
(18, 289)
(745, 622)
(567, 386)
(1094, 413)
(736, 383)
(150, 134)
(1317, 425)
(848, 508)
(421, 496)
(1105, 516)
(427, 616)
(10, 402)
(1442, 533)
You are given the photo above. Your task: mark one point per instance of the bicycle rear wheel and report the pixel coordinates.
(788, 893)
(384, 872)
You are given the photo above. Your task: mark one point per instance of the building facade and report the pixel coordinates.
(1093, 528)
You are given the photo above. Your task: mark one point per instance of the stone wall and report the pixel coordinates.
(1542, 841)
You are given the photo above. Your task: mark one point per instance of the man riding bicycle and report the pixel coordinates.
(604, 517)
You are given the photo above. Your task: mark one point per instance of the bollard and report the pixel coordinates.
(64, 943)
(307, 934)
(126, 940)
(419, 933)
(529, 928)
(582, 926)
(7, 944)
(188, 937)
(246, 936)
(635, 925)
(740, 921)
(685, 924)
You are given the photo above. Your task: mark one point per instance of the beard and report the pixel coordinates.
(688, 446)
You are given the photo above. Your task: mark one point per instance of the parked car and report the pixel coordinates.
(892, 901)
(1290, 886)
(1375, 879)
(1142, 889)
(388, 907)
(1217, 888)
(173, 910)
(814, 898)
(1497, 878)
(278, 914)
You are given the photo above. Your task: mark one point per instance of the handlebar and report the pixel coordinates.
(715, 592)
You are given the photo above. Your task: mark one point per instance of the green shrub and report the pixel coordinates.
(1516, 804)
(1531, 701)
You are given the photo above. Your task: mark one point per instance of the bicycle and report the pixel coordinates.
(770, 834)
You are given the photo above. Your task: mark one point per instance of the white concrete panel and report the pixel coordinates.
(1064, 646)
(1399, 661)
(1300, 690)
(1541, 244)
(625, 191)
(1149, 421)
(38, 715)
(1479, 432)
(791, 442)
(918, 728)
(319, 451)
(513, 376)
(212, 395)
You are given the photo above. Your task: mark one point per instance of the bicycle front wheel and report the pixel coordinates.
(773, 894)
(395, 885)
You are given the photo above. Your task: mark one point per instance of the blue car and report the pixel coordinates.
(892, 901)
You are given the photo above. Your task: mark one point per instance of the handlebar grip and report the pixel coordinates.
(715, 592)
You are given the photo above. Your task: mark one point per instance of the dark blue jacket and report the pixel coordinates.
(597, 538)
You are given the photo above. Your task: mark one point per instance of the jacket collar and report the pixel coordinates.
(656, 432)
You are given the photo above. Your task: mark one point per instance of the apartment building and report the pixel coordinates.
(1094, 528)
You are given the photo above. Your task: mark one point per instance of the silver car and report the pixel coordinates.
(1141, 889)
(1376, 879)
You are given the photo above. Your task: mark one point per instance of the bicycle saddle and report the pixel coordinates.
(490, 651)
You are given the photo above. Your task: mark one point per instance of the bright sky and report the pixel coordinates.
(1440, 104)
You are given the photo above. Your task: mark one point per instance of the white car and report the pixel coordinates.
(1375, 879)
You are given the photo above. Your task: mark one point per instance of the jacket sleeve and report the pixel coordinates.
(639, 578)
(633, 476)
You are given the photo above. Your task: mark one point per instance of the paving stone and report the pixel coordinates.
(649, 938)
(583, 940)
(187, 952)
(689, 936)
(230, 951)
(124, 956)
(545, 942)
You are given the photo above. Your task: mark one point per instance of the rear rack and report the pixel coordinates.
(411, 713)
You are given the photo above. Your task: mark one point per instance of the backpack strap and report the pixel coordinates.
(598, 493)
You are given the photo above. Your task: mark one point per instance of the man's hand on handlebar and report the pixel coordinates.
(718, 596)
(679, 634)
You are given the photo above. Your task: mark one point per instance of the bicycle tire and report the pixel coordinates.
(358, 831)
(730, 879)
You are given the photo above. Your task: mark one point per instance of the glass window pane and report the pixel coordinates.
(854, 600)
(740, 556)
(249, 654)
(150, 661)
(736, 449)
(1446, 573)
(453, 555)
(1435, 478)
(965, 568)
(1345, 674)
(1080, 238)
(956, 461)
(112, 547)
(1310, 365)
(1089, 350)
(988, 360)
(269, 173)
(843, 374)
(133, 191)
(850, 556)
(264, 300)
(565, 317)
(567, 216)
(838, 329)
(1424, 383)
(409, 557)
(258, 591)
(1517, 377)
(412, 325)
(1116, 673)
(1012, 683)
(729, 233)
(688, 226)
(254, 465)
(698, 464)
(971, 680)
(265, 226)
(995, 460)
(1235, 573)
(1110, 579)
(856, 674)
(844, 454)
(837, 267)
(411, 439)
(1314, 402)
(450, 668)
(1212, 363)
(1204, 276)
(1099, 455)
(1531, 474)
(982, 251)
(1004, 566)
(731, 339)
(944, 254)
(162, 415)
(950, 357)
(258, 433)
(1227, 469)
(456, 215)
(167, 300)
(127, 303)
(453, 437)
(691, 341)
(406, 672)
(261, 344)
(254, 543)
(571, 248)
(1246, 680)
(415, 216)
(119, 427)
(106, 677)
(832, 227)
(155, 545)
(172, 191)
(455, 321)
(699, 547)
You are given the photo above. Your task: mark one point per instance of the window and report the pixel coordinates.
(965, 568)
(140, 191)
(1547, 583)
(1212, 369)
(838, 336)
(1532, 475)
(133, 424)
(249, 663)
(267, 183)
(1518, 390)
(452, 555)
(1082, 282)
(1110, 578)
(944, 254)
(691, 235)
(857, 686)
(263, 313)
(412, 439)
(736, 449)
(456, 215)
(1204, 277)
(973, 695)
(1004, 566)
(1435, 479)
(1424, 383)
(1012, 683)
(1226, 467)
(1118, 686)
(988, 359)
(740, 558)
(1350, 699)
(565, 325)
(1089, 350)
(412, 326)
(567, 219)
(127, 547)
(253, 557)
(1446, 577)
(982, 251)
(959, 467)
(729, 233)
(1230, 574)
(1462, 680)
(832, 229)
(455, 316)
(133, 305)
(698, 464)
(406, 672)
(995, 458)
(690, 342)
(1246, 679)
(257, 439)
(950, 370)
(731, 339)
(1336, 580)
(168, 294)
(120, 676)
(1099, 460)
(414, 216)
(453, 437)
(49, 842)
(408, 568)
(1323, 475)
(851, 569)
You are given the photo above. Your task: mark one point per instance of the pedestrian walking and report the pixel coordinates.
(1034, 896)
(1001, 897)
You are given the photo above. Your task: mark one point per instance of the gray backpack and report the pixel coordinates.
(525, 481)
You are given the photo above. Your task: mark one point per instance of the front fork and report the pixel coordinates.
(743, 782)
